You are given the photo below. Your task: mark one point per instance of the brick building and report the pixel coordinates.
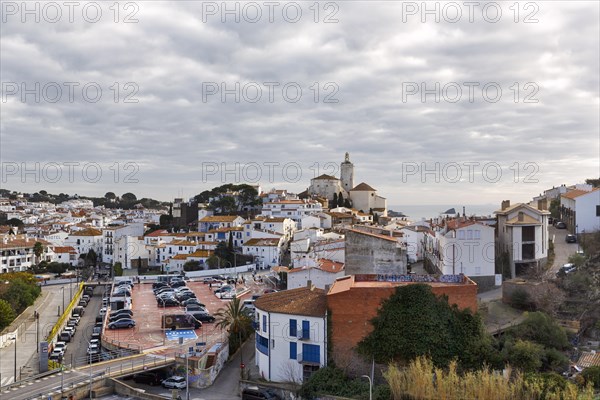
(354, 300)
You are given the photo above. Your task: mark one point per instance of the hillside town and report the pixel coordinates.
(315, 269)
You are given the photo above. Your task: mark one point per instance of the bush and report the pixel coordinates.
(520, 299)
(540, 328)
(592, 376)
(7, 314)
(333, 381)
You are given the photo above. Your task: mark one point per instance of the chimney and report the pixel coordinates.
(464, 214)
(520, 217)
(327, 288)
(505, 204)
(309, 284)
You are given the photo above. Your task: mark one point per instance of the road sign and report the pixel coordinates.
(184, 334)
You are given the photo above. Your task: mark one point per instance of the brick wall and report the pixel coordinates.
(352, 310)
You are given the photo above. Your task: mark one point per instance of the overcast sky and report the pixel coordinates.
(369, 74)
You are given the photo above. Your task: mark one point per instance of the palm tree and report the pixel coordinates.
(235, 320)
(38, 250)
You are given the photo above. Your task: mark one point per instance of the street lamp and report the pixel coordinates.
(370, 386)
(63, 298)
(15, 369)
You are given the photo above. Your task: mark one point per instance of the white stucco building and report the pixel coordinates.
(523, 235)
(580, 209)
(462, 246)
(322, 274)
(291, 334)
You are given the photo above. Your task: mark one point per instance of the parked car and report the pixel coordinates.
(566, 269)
(224, 288)
(194, 308)
(203, 316)
(93, 349)
(560, 225)
(229, 294)
(255, 393)
(158, 285)
(122, 311)
(185, 296)
(570, 238)
(192, 301)
(148, 378)
(103, 310)
(122, 323)
(174, 382)
(96, 335)
(70, 329)
(56, 355)
(61, 346)
(164, 290)
(209, 280)
(168, 302)
(175, 284)
(64, 336)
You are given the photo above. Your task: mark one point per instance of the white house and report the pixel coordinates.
(294, 209)
(323, 274)
(291, 334)
(413, 236)
(112, 233)
(266, 251)
(365, 198)
(85, 240)
(522, 235)
(65, 254)
(463, 246)
(580, 209)
(219, 221)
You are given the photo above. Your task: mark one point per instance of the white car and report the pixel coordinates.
(174, 382)
(227, 295)
(61, 346)
(103, 311)
(93, 349)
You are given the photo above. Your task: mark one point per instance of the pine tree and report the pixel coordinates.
(340, 200)
(334, 203)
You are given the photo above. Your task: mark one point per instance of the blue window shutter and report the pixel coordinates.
(264, 323)
(305, 329)
(293, 350)
(293, 328)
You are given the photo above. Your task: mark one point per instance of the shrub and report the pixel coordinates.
(591, 375)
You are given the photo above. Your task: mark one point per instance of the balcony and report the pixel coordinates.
(309, 359)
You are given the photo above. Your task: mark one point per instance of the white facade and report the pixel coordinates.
(289, 348)
(128, 248)
(413, 236)
(581, 209)
(294, 209)
(85, 240)
(462, 247)
(266, 252)
(298, 277)
(523, 234)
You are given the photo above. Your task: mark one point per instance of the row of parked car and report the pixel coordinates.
(123, 318)
(155, 378)
(177, 294)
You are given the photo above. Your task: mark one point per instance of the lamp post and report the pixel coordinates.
(370, 386)
(15, 370)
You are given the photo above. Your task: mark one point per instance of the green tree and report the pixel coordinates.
(118, 268)
(192, 265)
(415, 322)
(334, 202)
(7, 314)
(555, 208)
(14, 222)
(236, 321)
(128, 197)
(110, 196)
(213, 262)
(524, 355)
(38, 250)
(541, 328)
(347, 203)
(340, 202)
(592, 376)
(91, 258)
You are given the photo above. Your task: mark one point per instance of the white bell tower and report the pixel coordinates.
(347, 174)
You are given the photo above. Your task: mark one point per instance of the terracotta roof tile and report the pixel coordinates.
(362, 187)
(306, 301)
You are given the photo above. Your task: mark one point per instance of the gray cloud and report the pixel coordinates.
(170, 55)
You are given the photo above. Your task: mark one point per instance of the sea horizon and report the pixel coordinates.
(417, 212)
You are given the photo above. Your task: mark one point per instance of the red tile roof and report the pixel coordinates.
(362, 187)
(306, 301)
(263, 242)
(572, 194)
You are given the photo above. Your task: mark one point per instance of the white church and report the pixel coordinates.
(362, 196)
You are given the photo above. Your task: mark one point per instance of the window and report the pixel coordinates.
(293, 350)
(469, 234)
(477, 234)
(264, 323)
(262, 344)
(293, 328)
(461, 235)
(305, 330)
(311, 353)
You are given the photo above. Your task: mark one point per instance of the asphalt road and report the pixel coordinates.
(76, 354)
(562, 249)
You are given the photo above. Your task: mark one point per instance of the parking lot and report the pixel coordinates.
(147, 315)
